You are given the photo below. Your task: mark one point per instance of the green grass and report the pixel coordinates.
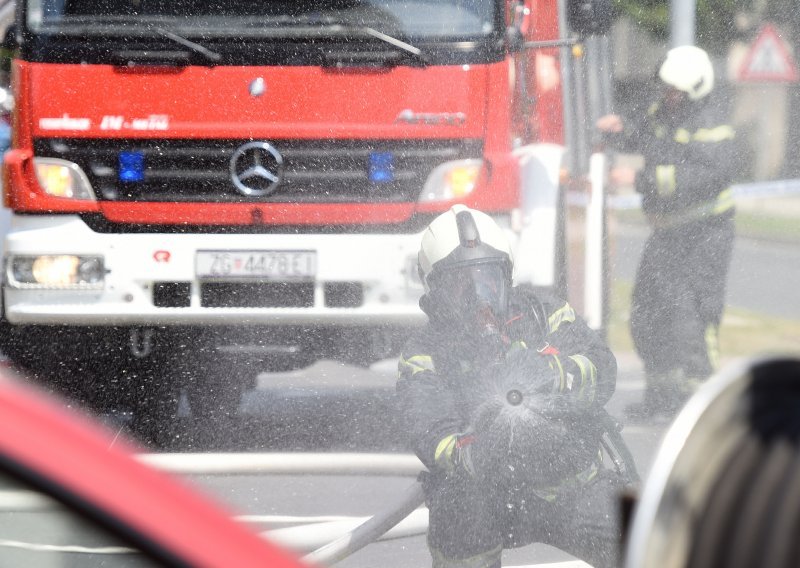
(768, 226)
(743, 333)
(619, 337)
(748, 224)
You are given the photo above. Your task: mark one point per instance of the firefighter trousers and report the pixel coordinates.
(471, 522)
(679, 298)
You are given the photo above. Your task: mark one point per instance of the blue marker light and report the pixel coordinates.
(381, 167)
(131, 166)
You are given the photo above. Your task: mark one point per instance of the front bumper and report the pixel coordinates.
(382, 267)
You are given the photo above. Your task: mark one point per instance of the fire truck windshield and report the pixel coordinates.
(411, 20)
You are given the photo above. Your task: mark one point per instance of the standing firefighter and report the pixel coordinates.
(500, 396)
(689, 164)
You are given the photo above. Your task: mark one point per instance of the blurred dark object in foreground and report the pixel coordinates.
(724, 489)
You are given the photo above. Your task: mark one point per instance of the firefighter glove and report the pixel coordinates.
(454, 453)
(562, 377)
(575, 377)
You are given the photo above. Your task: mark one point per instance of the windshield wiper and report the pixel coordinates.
(366, 58)
(407, 47)
(212, 56)
(332, 22)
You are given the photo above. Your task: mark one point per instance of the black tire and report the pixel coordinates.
(25, 347)
(37, 352)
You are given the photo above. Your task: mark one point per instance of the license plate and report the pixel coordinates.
(266, 264)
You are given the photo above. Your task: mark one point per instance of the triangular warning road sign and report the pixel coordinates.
(768, 59)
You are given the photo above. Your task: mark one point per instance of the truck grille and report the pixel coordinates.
(315, 171)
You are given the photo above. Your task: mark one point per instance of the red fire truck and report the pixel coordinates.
(197, 183)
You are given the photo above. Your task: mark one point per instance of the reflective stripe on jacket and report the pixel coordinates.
(691, 159)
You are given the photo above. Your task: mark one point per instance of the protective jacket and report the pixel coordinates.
(690, 162)
(437, 368)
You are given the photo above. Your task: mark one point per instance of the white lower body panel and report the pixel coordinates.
(383, 265)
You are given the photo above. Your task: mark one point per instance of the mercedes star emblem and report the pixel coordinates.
(256, 169)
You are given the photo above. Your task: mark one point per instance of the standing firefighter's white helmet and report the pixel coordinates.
(688, 69)
(465, 264)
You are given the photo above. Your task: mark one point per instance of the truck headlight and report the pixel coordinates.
(56, 271)
(452, 180)
(61, 178)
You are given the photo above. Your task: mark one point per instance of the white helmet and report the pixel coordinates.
(462, 236)
(465, 264)
(688, 69)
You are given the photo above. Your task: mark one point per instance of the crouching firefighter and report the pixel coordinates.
(499, 395)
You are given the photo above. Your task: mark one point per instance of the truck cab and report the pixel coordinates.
(199, 184)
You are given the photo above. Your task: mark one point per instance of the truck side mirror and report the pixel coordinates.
(590, 17)
(8, 49)
(10, 43)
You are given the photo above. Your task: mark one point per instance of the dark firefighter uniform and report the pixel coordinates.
(472, 521)
(679, 294)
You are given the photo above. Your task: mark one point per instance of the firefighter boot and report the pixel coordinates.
(489, 559)
(678, 389)
(661, 398)
(684, 388)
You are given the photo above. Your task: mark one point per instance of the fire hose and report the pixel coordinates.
(370, 530)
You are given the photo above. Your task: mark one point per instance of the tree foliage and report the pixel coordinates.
(715, 19)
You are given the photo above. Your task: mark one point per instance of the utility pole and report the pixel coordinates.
(682, 22)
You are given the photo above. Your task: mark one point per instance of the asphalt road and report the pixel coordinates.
(763, 275)
(336, 408)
